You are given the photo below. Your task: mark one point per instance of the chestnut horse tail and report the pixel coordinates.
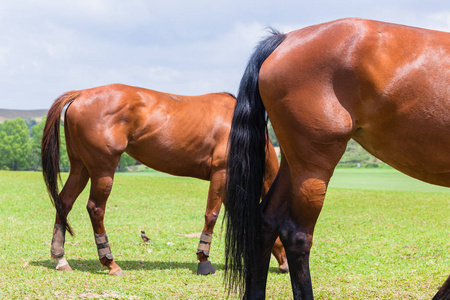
(50, 153)
(245, 171)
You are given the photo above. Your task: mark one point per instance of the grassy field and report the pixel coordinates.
(380, 236)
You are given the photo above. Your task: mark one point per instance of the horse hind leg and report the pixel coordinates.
(215, 198)
(296, 231)
(78, 178)
(272, 209)
(280, 255)
(271, 172)
(310, 173)
(101, 186)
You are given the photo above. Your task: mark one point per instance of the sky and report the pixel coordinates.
(188, 47)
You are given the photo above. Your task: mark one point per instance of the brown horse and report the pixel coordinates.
(179, 135)
(384, 85)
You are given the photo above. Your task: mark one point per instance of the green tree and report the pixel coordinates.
(64, 162)
(15, 147)
(125, 161)
(354, 154)
(36, 139)
(30, 123)
(272, 136)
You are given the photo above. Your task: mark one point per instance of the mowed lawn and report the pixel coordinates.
(381, 235)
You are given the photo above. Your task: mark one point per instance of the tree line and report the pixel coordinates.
(20, 148)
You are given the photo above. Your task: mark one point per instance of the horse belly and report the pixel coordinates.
(173, 158)
(414, 147)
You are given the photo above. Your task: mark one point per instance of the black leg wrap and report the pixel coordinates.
(205, 244)
(205, 268)
(59, 237)
(103, 248)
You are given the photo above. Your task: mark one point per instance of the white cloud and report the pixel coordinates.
(439, 21)
(184, 47)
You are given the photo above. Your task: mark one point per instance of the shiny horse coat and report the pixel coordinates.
(384, 85)
(179, 135)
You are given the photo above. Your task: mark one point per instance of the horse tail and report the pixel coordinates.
(50, 153)
(245, 170)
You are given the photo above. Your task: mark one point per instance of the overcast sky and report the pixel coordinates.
(186, 47)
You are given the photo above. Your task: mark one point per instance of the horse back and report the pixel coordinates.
(172, 133)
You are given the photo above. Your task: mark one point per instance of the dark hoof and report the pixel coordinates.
(205, 268)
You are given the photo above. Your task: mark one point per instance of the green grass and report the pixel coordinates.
(386, 179)
(370, 242)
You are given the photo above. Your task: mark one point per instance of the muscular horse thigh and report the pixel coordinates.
(313, 136)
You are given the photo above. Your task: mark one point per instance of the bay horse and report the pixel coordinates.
(179, 135)
(384, 85)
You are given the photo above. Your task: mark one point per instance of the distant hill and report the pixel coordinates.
(10, 114)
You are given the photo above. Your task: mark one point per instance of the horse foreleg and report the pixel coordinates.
(215, 198)
(75, 184)
(100, 189)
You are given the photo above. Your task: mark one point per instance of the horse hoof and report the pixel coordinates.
(284, 268)
(205, 268)
(116, 272)
(62, 265)
(64, 268)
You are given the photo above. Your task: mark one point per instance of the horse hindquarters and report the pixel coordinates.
(74, 185)
(97, 141)
(309, 158)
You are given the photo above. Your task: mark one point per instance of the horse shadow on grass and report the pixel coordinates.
(93, 265)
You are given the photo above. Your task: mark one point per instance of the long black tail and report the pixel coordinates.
(245, 170)
(50, 153)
